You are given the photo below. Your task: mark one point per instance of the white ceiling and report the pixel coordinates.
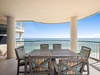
(48, 11)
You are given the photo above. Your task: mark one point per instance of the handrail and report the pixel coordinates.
(58, 40)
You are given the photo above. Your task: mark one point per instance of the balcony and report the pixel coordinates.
(19, 28)
(95, 48)
(30, 45)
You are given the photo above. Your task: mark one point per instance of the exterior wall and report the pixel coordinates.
(3, 49)
(3, 41)
(3, 38)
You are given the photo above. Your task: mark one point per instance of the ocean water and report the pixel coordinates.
(79, 39)
(34, 43)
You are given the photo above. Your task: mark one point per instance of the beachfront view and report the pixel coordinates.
(69, 27)
(38, 33)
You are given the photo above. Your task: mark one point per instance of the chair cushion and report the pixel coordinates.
(22, 62)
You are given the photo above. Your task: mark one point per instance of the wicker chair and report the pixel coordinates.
(72, 66)
(44, 46)
(85, 52)
(56, 46)
(22, 58)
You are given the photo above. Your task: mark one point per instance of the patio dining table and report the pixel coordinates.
(59, 53)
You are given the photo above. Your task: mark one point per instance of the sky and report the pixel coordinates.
(87, 28)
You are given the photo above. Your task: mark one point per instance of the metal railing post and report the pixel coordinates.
(99, 51)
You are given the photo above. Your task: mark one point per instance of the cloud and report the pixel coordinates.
(97, 35)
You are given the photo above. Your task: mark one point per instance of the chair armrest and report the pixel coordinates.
(24, 58)
(21, 59)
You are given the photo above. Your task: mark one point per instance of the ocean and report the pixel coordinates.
(34, 43)
(79, 39)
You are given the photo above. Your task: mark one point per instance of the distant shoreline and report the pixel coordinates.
(79, 39)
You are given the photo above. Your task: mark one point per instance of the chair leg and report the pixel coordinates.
(25, 67)
(30, 66)
(18, 68)
(31, 73)
(88, 72)
(82, 69)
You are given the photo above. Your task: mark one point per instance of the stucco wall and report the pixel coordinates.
(3, 49)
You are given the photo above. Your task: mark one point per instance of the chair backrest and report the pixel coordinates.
(74, 66)
(56, 46)
(20, 52)
(85, 52)
(44, 46)
(42, 67)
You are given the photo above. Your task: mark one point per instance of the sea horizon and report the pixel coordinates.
(34, 43)
(79, 39)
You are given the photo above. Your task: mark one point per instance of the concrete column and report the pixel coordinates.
(10, 37)
(73, 34)
(20, 36)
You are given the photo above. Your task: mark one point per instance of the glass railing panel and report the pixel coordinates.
(31, 45)
(19, 27)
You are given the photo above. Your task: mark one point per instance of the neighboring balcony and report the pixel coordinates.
(19, 29)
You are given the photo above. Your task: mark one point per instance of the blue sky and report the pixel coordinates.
(87, 28)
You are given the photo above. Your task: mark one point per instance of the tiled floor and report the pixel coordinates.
(9, 67)
(95, 64)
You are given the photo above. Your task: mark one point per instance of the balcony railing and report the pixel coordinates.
(30, 45)
(19, 27)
